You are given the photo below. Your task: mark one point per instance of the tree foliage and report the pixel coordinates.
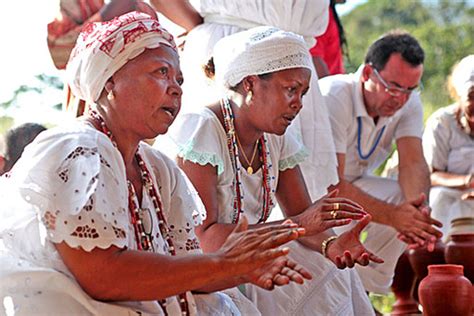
(43, 84)
(444, 29)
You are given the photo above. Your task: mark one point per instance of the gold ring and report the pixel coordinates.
(336, 206)
(334, 214)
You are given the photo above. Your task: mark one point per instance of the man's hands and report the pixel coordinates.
(415, 226)
(254, 256)
(347, 250)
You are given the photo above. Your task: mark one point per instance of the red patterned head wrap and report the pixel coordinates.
(103, 48)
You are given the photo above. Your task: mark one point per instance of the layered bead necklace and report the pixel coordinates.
(144, 240)
(264, 156)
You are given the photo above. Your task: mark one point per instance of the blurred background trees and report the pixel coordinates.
(445, 29)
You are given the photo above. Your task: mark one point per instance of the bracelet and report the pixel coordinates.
(325, 244)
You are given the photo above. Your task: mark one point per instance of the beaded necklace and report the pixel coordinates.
(144, 240)
(264, 156)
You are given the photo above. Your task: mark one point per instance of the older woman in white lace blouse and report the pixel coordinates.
(117, 217)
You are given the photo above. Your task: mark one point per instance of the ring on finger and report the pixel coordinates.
(333, 214)
(336, 206)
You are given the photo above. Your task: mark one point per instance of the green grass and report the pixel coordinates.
(6, 122)
(383, 303)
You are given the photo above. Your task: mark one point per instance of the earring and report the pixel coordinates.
(110, 95)
(248, 97)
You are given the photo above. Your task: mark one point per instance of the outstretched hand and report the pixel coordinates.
(328, 212)
(347, 250)
(280, 272)
(253, 254)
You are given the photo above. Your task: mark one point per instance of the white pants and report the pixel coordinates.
(331, 292)
(381, 239)
(446, 205)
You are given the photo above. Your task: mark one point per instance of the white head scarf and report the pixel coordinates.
(463, 76)
(103, 48)
(257, 51)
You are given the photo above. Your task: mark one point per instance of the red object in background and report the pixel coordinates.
(64, 30)
(460, 250)
(445, 291)
(421, 258)
(328, 47)
(402, 288)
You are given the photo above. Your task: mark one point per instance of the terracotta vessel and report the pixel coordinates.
(402, 288)
(462, 225)
(421, 258)
(445, 291)
(460, 250)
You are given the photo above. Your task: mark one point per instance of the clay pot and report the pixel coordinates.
(421, 258)
(402, 288)
(460, 250)
(462, 225)
(445, 291)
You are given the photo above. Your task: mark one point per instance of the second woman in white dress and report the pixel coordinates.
(241, 161)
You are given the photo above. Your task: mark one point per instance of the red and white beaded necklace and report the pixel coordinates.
(144, 241)
(264, 156)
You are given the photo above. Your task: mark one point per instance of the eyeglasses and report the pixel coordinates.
(393, 90)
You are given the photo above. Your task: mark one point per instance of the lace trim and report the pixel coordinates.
(294, 160)
(87, 243)
(186, 152)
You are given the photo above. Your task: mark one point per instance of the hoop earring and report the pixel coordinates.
(110, 95)
(248, 97)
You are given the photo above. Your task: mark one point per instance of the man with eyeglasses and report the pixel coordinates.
(369, 110)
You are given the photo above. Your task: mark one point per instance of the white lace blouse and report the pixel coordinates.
(201, 138)
(70, 186)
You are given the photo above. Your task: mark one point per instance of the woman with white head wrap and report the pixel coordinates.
(448, 144)
(308, 18)
(241, 159)
(91, 213)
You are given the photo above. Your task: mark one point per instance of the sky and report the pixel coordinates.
(24, 54)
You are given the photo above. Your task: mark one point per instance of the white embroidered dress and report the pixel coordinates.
(448, 148)
(308, 18)
(201, 138)
(70, 186)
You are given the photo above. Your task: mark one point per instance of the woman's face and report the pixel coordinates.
(278, 98)
(148, 92)
(467, 103)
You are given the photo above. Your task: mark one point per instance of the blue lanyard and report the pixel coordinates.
(377, 140)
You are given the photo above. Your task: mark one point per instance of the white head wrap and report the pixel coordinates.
(257, 51)
(463, 76)
(103, 48)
